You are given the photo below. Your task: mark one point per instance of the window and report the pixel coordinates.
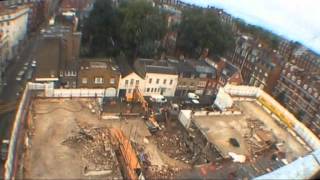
(148, 89)
(126, 82)
(137, 82)
(98, 80)
(150, 80)
(84, 80)
(112, 81)
(164, 81)
(157, 81)
(171, 81)
(131, 82)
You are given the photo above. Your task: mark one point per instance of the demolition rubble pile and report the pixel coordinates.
(95, 147)
(258, 138)
(173, 145)
(161, 172)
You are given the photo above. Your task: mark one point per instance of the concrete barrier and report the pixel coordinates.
(16, 142)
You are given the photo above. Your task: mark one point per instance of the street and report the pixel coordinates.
(9, 93)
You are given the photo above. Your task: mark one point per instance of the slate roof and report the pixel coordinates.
(143, 66)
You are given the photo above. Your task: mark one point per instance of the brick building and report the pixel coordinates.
(298, 89)
(259, 67)
(306, 59)
(62, 65)
(194, 76)
(227, 73)
(99, 73)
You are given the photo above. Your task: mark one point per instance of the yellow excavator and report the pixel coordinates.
(137, 96)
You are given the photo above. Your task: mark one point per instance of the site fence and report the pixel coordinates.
(66, 93)
(16, 140)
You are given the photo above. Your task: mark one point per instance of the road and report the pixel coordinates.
(9, 93)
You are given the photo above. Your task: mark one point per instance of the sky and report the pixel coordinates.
(297, 20)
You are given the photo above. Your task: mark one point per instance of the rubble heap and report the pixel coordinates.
(161, 172)
(95, 147)
(173, 145)
(258, 137)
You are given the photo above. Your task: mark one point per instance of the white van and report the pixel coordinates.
(193, 96)
(158, 98)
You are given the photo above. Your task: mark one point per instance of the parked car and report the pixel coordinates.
(158, 99)
(193, 96)
(4, 149)
(20, 75)
(34, 63)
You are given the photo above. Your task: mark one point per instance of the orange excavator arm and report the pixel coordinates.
(128, 153)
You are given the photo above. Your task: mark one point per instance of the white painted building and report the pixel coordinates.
(160, 83)
(13, 23)
(160, 78)
(129, 82)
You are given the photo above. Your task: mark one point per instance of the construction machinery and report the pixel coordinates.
(131, 163)
(137, 96)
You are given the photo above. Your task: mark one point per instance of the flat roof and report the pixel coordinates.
(218, 130)
(48, 57)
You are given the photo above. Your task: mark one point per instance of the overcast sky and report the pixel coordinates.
(297, 20)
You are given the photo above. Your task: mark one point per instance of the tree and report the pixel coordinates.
(100, 30)
(271, 39)
(202, 29)
(143, 26)
(135, 28)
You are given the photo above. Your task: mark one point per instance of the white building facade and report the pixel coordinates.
(128, 83)
(13, 23)
(160, 84)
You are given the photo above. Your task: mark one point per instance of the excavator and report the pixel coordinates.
(131, 163)
(137, 96)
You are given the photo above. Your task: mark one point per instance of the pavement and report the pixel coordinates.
(9, 92)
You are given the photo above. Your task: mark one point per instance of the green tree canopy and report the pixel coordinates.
(202, 29)
(143, 26)
(135, 28)
(100, 30)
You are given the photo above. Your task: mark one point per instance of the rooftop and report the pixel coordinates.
(143, 66)
(124, 66)
(48, 57)
(75, 4)
(99, 63)
(10, 10)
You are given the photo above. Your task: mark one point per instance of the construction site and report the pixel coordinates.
(80, 138)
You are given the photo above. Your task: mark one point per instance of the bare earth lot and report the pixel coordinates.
(56, 120)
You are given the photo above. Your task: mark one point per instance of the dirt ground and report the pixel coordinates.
(48, 157)
(56, 120)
